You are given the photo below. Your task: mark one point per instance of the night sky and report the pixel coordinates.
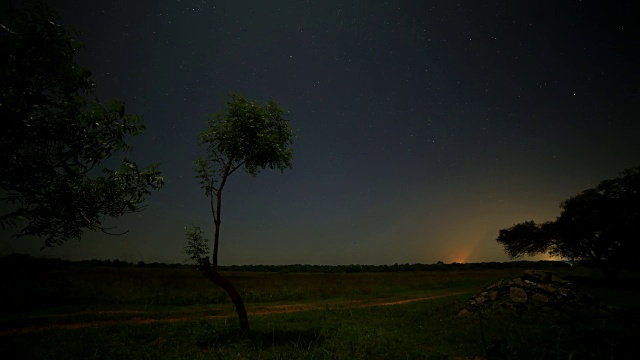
(424, 127)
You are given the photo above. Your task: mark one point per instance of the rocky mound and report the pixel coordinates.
(536, 288)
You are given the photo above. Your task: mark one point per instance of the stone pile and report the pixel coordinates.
(536, 288)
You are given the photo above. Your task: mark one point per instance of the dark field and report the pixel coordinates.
(90, 312)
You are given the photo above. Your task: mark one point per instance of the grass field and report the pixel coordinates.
(71, 312)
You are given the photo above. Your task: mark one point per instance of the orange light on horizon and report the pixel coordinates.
(461, 255)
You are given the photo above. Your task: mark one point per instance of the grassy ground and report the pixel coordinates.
(141, 313)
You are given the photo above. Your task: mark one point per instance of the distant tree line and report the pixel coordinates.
(356, 268)
(27, 260)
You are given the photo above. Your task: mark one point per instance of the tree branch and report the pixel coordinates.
(236, 167)
(104, 230)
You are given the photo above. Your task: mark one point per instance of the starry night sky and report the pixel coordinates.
(424, 127)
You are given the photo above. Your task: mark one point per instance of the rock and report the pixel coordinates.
(548, 288)
(517, 295)
(538, 276)
(539, 300)
(536, 288)
(562, 291)
(589, 299)
(506, 305)
(557, 279)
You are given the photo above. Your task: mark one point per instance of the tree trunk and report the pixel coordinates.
(212, 270)
(215, 277)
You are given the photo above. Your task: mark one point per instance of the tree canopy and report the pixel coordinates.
(56, 134)
(245, 134)
(601, 225)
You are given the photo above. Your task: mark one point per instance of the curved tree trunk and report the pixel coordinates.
(215, 277)
(212, 269)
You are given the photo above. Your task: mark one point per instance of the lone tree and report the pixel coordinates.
(196, 246)
(244, 135)
(55, 135)
(600, 225)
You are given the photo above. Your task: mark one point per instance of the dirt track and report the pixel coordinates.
(267, 310)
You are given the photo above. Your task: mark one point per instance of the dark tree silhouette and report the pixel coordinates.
(601, 225)
(55, 135)
(196, 246)
(244, 135)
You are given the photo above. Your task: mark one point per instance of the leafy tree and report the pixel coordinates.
(244, 135)
(601, 225)
(196, 246)
(56, 134)
(527, 238)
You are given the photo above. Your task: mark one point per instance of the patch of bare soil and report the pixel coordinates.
(266, 310)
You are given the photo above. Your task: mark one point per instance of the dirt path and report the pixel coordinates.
(266, 310)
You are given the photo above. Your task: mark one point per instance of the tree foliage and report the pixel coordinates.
(56, 134)
(601, 225)
(245, 135)
(527, 238)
